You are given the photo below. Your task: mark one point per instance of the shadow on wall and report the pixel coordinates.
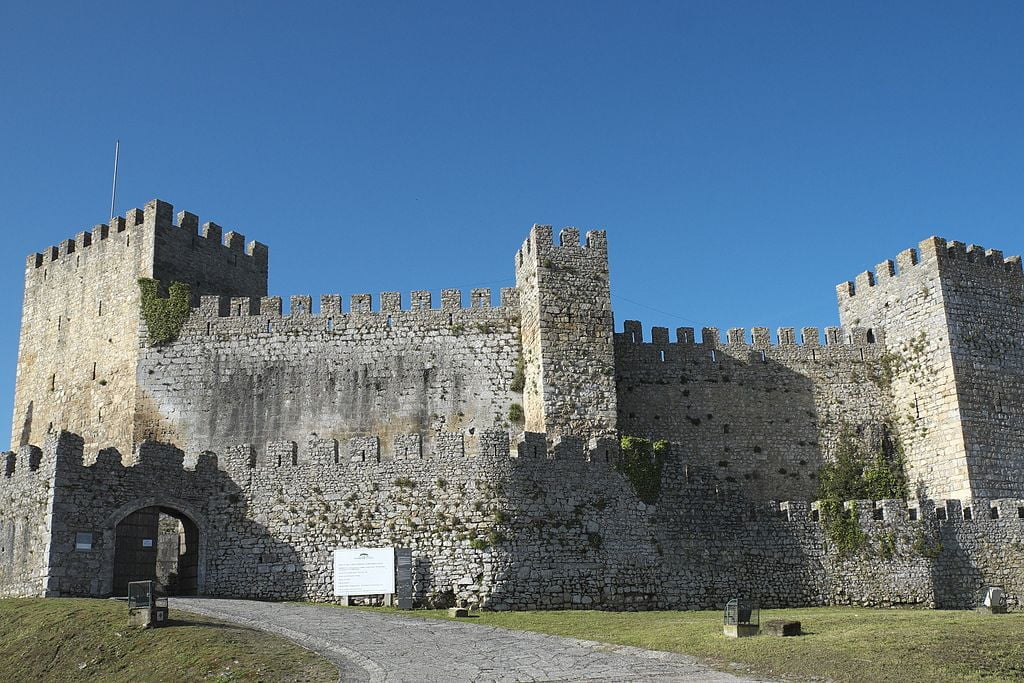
(759, 418)
(962, 539)
(107, 525)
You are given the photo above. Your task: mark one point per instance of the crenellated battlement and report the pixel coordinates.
(759, 339)
(540, 244)
(372, 450)
(330, 305)
(234, 315)
(156, 216)
(898, 511)
(934, 250)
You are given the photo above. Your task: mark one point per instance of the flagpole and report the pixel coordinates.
(113, 190)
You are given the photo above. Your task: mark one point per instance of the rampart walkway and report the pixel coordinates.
(368, 646)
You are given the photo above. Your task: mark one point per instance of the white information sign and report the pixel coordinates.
(364, 571)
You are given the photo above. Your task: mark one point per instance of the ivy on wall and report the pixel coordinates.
(164, 317)
(861, 470)
(642, 462)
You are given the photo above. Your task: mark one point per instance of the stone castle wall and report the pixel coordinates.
(954, 323)
(763, 415)
(567, 330)
(401, 425)
(507, 529)
(26, 504)
(79, 344)
(984, 295)
(414, 371)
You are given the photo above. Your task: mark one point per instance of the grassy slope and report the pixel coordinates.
(842, 644)
(51, 640)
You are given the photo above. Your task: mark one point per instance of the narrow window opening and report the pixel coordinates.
(878, 513)
(209, 328)
(862, 355)
(99, 414)
(968, 514)
(330, 324)
(53, 382)
(99, 310)
(815, 515)
(451, 319)
(389, 321)
(913, 514)
(270, 327)
(632, 337)
(871, 336)
(764, 357)
(58, 322)
(917, 407)
(661, 355)
(128, 241)
(940, 513)
(993, 513)
(1020, 513)
(94, 371)
(714, 356)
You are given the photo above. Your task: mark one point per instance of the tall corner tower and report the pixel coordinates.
(953, 320)
(567, 327)
(79, 342)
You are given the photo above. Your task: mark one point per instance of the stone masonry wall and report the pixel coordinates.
(558, 530)
(955, 361)
(78, 349)
(567, 331)
(426, 371)
(984, 295)
(25, 506)
(764, 415)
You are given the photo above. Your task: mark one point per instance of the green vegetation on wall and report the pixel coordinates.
(861, 469)
(642, 462)
(164, 317)
(519, 377)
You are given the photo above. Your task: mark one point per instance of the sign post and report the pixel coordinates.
(403, 578)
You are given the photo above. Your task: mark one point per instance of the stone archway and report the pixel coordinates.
(155, 540)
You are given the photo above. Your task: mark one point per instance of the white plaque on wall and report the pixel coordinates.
(364, 571)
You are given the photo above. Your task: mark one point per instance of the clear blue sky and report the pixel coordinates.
(744, 157)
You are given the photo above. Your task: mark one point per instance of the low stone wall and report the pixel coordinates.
(534, 528)
(25, 506)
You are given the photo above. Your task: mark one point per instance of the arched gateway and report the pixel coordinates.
(156, 540)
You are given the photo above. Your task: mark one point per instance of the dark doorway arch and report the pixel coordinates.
(157, 543)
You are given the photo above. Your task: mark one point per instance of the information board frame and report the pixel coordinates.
(364, 571)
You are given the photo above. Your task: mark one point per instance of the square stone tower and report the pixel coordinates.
(953, 322)
(78, 349)
(567, 334)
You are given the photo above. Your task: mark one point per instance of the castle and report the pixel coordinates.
(232, 457)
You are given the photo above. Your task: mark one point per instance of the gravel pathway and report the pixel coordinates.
(369, 646)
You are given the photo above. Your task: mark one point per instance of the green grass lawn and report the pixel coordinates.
(75, 640)
(843, 644)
